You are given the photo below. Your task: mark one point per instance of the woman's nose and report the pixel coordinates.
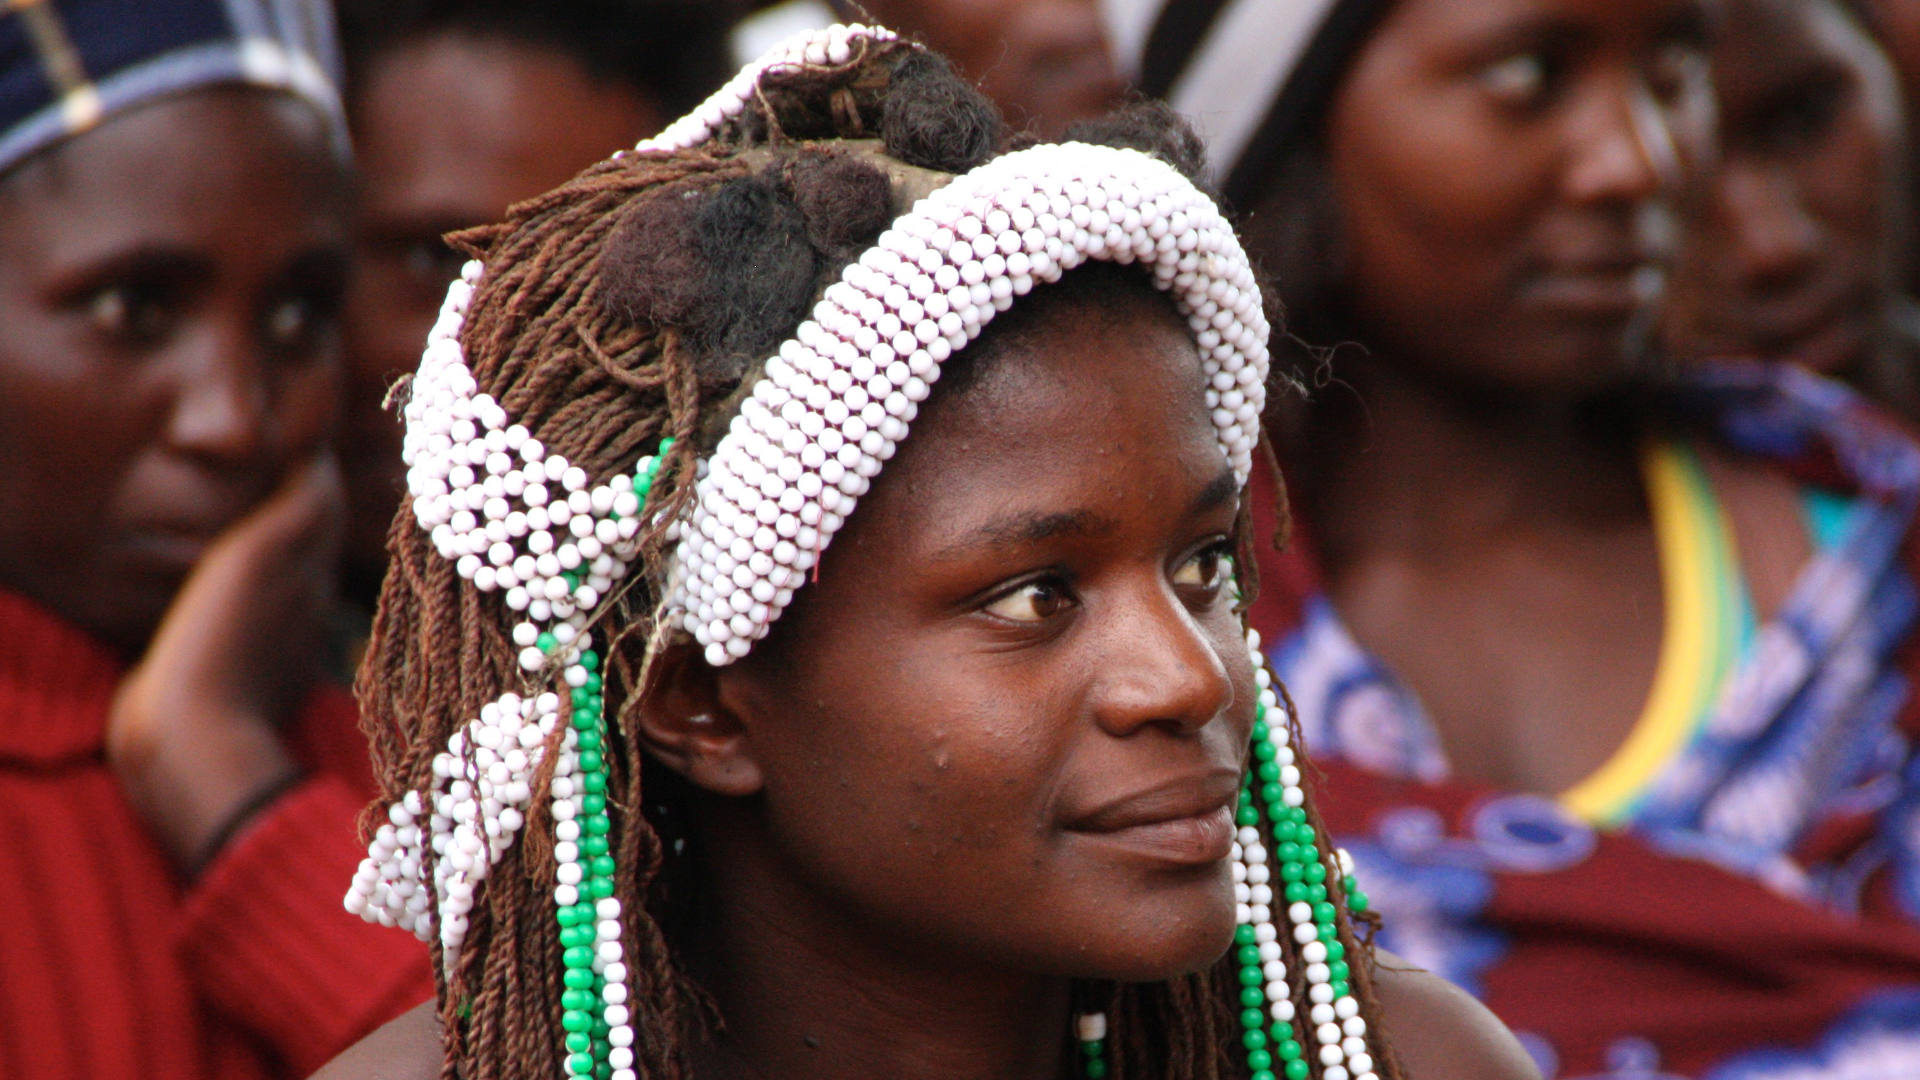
(1161, 669)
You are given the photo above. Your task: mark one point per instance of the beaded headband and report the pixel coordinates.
(830, 408)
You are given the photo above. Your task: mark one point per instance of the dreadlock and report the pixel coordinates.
(634, 303)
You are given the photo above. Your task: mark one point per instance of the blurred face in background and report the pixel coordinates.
(449, 130)
(1797, 249)
(1505, 174)
(169, 291)
(1044, 62)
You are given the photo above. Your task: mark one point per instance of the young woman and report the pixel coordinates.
(1612, 668)
(793, 665)
(1802, 250)
(178, 787)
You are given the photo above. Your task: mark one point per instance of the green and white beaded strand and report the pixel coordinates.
(1275, 1034)
(599, 1034)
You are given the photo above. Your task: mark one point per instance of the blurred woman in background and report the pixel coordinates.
(1615, 665)
(1801, 252)
(178, 788)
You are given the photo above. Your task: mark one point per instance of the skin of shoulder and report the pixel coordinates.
(405, 1048)
(1439, 1032)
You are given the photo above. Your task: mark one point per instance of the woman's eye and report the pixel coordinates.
(1204, 570)
(299, 321)
(287, 322)
(129, 313)
(1034, 601)
(1675, 70)
(1517, 80)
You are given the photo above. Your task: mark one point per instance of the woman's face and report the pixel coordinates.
(1008, 720)
(1795, 257)
(1504, 173)
(168, 289)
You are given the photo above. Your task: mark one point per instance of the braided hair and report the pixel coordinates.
(632, 304)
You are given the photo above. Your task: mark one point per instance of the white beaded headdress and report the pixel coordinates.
(829, 409)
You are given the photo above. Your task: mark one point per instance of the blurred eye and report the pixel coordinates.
(1795, 120)
(1034, 601)
(288, 322)
(428, 261)
(1519, 81)
(1204, 570)
(135, 315)
(1676, 70)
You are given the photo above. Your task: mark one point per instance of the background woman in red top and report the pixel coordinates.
(178, 792)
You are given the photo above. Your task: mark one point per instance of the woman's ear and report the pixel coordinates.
(685, 726)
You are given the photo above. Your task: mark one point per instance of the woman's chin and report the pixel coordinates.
(1159, 942)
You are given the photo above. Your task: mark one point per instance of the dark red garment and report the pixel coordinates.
(110, 966)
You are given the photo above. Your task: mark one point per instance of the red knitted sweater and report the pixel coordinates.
(110, 966)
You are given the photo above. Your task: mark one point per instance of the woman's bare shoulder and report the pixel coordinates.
(407, 1048)
(1439, 1032)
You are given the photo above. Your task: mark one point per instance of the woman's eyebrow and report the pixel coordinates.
(1023, 528)
(1218, 492)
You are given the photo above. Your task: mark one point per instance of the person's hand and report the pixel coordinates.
(193, 734)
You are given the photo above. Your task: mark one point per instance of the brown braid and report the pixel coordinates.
(600, 362)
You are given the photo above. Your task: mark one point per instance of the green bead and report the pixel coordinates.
(575, 1020)
(1287, 850)
(600, 1029)
(593, 845)
(1296, 1070)
(1337, 971)
(1245, 935)
(546, 642)
(593, 682)
(1250, 976)
(1323, 913)
(602, 866)
(1357, 900)
(1246, 815)
(594, 802)
(579, 978)
(1267, 771)
(576, 1000)
(1094, 1068)
(594, 782)
(1304, 833)
(1290, 1049)
(1259, 1059)
(579, 696)
(1297, 815)
(1336, 951)
(590, 660)
(1348, 883)
(1284, 833)
(1249, 955)
(1327, 934)
(1260, 713)
(580, 1064)
(585, 720)
(1291, 871)
(584, 915)
(1260, 730)
(1093, 1048)
(603, 1070)
(595, 825)
(1316, 893)
(576, 935)
(579, 1042)
(1296, 892)
(1251, 1019)
(1252, 997)
(601, 887)
(587, 740)
(1253, 1039)
(1263, 751)
(578, 957)
(1316, 872)
(569, 917)
(1272, 794)
(1340, 989)
(1262, 1074)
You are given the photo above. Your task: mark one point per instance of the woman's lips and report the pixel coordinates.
(1194, 840)
(1602, 292)
(1187, 822)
